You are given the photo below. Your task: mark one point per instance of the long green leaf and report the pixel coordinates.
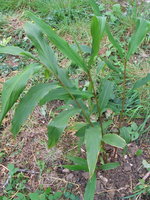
(28, 103)
(62, 94)
(45, 52)
(92, 142)
(16, 51)
(97, 32)
(95, 7)
(111, 66)
(141, 82)
(114, 42)
(106, 94)
(114, 140)
(143, 27)
(57, 126)
(76, 167)
(90, 188)
(110, 166)
(77, 160)
(14, 87)
(61, 44)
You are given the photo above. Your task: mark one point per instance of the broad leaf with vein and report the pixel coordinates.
(28, 103)
(106, 94)
(97, 32)
(14, 87)
(16, 51)
(115, 42)
(61, 44)
(90, 188)
(58, 125)
(114, 140)
(143, 27)
(92, 142)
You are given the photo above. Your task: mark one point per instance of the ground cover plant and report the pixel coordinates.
(88, 102)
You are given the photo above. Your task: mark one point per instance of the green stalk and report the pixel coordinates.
(71, 95)
(123, 94)
(96, 99)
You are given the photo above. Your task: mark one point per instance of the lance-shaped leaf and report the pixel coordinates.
(28, 103)
(114, 42)
(114, 140)
(92, 142)
(16, 51)
(97, 32)
(110, 166)
(76, 167)
(61, 44)
(62, 94)
(141, 82)
(95, 7)
(14, 87)
(90, 188)
(106, 94)
(45, 52)
(58, 125)
(80, 164)
(142, 28)
(111, 66)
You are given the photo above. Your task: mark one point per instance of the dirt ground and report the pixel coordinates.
(30, 147)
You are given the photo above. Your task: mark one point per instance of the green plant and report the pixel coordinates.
(89, 101)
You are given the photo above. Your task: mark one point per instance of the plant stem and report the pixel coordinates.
(96, 99)
(72, 96)
(123, 94)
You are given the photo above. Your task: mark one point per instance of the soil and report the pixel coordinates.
(30, 147)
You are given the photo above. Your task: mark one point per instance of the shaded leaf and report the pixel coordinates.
(61, 44)
(28, 103)
(97, 32)
(106, 94)
(81, 131)
(114, 42)
(110, 166)
(14, 87)
(142, 28)
(141, 82)
(95, 7)
(76, 167)
(16, 51)
(125, 134)
(92, 142)
(111, 66)
(90, 188)
(77, 160)
(57, 126)
(114, 140)
(62, 94)
(45, 52)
